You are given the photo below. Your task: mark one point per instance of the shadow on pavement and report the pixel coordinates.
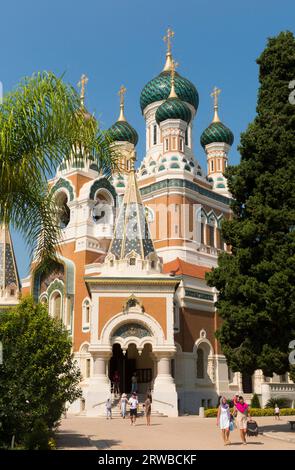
(71, 440)
(104, 443)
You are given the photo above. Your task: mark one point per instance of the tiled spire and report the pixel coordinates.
(131, 233)
(9, 278)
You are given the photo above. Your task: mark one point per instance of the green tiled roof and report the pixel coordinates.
(123, 132)
(217, 132)
(173, 108)
(158, 89)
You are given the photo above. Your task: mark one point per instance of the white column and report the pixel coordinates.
(265, 394)
(99, 384)
(165, 395)
(221, 375)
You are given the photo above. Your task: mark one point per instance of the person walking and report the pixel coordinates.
(148, 408)
(223, 420)
(109, 408)
(123, 404)
(134, 383)
(116, 382)
(277, 412)
(242, 413)
(133, 402)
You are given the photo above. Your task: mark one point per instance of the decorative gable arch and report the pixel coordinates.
(62, 183)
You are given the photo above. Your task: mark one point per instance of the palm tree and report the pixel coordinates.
(41, 123)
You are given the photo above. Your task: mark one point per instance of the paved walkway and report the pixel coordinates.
(186, 432)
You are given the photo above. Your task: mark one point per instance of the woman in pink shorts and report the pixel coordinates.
(242, 414)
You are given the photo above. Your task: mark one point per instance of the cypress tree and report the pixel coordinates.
(256, 282)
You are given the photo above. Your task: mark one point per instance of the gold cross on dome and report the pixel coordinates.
(174, 66)
(121, 93)
(82, 83)
(167, 38)
(216, 91)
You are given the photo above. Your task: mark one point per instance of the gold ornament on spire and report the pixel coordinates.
(173, 94)
(121, 93)
(132, 159)
(82, 83)
(216, 91)
(167, 39)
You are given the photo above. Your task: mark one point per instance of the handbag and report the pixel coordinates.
(231, 426)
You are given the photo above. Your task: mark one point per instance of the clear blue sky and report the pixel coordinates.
(115, 42)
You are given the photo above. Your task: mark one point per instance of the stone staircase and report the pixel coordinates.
(116, 412)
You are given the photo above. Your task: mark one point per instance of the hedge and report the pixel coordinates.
(212, 412)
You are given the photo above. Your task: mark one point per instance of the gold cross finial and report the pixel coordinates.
(174, 65)
(83, 81)
(121, 93)
(216, 91)
(167, 38)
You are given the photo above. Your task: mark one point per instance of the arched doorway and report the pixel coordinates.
(130, 361)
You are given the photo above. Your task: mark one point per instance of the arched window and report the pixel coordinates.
(155, 134)
(200, 364)
(181, 144)
(102, 212)
(201, 220)
(56, 305)
(86, 312)
(211, 231)
(63, 211)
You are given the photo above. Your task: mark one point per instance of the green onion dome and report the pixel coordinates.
(122, 131)
(173, 108)
(158, 89)
(217, 132)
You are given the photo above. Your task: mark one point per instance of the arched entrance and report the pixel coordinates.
(129, 361)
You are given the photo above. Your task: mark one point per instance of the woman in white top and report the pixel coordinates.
(223, 420)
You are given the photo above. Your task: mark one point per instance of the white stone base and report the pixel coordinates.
(96, 397)
(165, 399)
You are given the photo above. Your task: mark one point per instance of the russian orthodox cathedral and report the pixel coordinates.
(129, 284)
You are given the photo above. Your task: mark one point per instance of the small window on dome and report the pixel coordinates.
(132, 261)
(186, 136)
(166, 144)
(212, 165)
(161, 168)
(174, 159)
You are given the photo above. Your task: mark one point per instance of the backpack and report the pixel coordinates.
(252, 428)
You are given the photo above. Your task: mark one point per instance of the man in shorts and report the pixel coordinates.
(133, 403)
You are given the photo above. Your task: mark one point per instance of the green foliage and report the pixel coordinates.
(292, 373)
(281, 402)
(38, 375)
(256, 282)
(212, 412)
(255, 403)
(41, 122)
